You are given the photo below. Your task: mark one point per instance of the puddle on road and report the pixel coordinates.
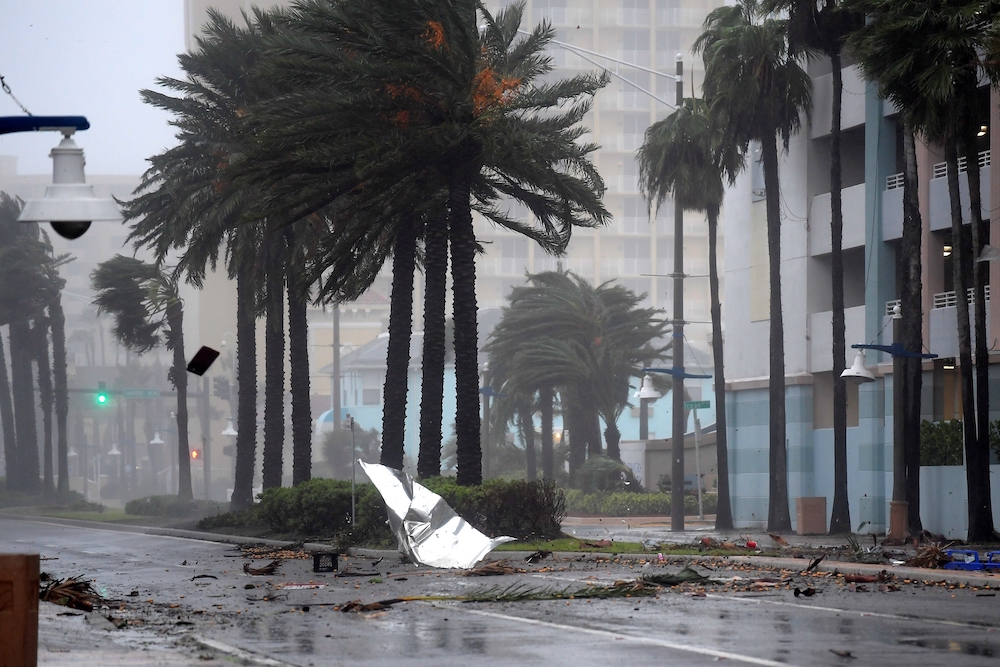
(967, 648)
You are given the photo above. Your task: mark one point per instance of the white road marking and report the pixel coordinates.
(607, 634)
(240, 653)
(855, 612)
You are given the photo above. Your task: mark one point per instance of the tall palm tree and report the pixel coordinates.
(144, 300)
(934, 88)
(682, 158)
(452, 109)
(756, 92)
(822, 27)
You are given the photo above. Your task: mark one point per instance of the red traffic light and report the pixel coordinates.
(195, 454)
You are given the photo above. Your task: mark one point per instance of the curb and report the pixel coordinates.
(912, 573)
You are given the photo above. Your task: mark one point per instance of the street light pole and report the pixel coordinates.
(335, 380)
(677, 432)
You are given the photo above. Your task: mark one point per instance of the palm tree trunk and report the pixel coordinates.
(595, 447)
(840, 519)
(246, 380)
(432, 377)
(298, 353)
(40, 334)
(23, 390)
(463, 284)
(545, 398)
(526, 424)
(574, 423)
(724, 513)
(274, 367)
(778, 518)
(613, 436)
(960, 259)
(397, 363)
(175, 337)
(977, 461)
(912, 325)
(58, 326)
(7, 417)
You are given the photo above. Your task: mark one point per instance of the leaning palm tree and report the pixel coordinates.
(822, 27)
(431, 102)
(935, 88)
(756, 92)
(682, 157)
(144, 300)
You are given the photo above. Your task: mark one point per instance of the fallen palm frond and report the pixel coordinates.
(72, 592)
(685, 576)
(264, 570)
(930, 556)
(521, 593)
(538, 556)
(493, 569)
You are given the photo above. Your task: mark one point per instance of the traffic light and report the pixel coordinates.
(220, 387)
(102, 393)
(195, 454)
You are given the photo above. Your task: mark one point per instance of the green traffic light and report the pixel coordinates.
(102, 394)
(102, 398)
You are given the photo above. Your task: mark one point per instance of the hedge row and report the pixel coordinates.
(633, 504)
(322, 508)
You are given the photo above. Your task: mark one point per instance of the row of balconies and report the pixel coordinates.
(622, 17)
(516, 266)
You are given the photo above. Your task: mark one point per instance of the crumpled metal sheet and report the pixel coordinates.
(428, 530)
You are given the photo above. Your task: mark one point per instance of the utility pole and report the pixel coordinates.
(335, 380)
(206, 438)
(677, 432)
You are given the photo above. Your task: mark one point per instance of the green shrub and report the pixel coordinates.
(941, 443)
(633, 504)
(169, 506)
(602, 473)
(322, 507)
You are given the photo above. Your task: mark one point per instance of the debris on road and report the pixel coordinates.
(72, 592)
(930, 556)
(264, 570)
(264, 551)
(427, 529)
(686, 576)
(537, 556)
(493, 569)
(298, 586)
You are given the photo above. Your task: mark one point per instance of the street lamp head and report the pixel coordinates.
(69, 203)
(114, 450)
(858, 373)
(647, 390)
(157, 440)
(229, 428)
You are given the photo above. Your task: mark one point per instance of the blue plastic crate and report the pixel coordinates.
(969, 559)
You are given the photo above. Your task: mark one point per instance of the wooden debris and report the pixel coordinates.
(538, 556)
(72, 592)
(930, 556)
(778, 538)
(494, 568)
(264, 570)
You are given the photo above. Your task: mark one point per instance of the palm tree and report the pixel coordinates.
(452, 110)
(935, 88)
(756, 92)
(822, 26)
(682, 158)
(147, 309)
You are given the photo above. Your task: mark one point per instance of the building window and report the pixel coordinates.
(370, 396)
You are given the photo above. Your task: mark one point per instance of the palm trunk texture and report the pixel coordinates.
(175, 325)
(298, 353)
(40, 334)
(274, 370)
(432, 379)
(463, 284)
(724, 513)
(778, 518)
(398, 354)
(545, 398)
(22, 387)
(246, 381)
(60, 387)
(7, 417)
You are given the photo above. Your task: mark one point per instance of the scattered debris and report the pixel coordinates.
(263, 552)
(494, 568)
(930, 556)
(596, 544)
(686, 576)
(778, 539)
(299, 586)
(72, 592)
(537, 556)
(843, 654)
(264, 570)
(881, 577)
(808, 592)
(815, 563)
(200, 576)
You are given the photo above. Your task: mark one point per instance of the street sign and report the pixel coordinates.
(697, 405)
(140, 393)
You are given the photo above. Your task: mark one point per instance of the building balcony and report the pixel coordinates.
(892, 208)
(583, 266)
(853, 102)
(940, 201)
(681, 17)
(624, 184)
(628, 100)
(628, 143)
(564, 16)
(502, 266)
(943, 324)
(821, 337)
(853, 199)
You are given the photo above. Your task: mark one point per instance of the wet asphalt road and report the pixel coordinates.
(175, 618)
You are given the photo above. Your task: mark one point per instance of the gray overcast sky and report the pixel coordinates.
(89, 58)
